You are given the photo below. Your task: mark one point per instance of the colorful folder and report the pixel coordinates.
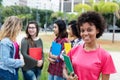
(35, 53)
(68, 64)
(67, 47)
(56, 48)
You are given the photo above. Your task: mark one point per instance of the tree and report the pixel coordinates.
(118, 12)
(110, 7)
(72, 17)
(57, 15)
(98, 6)
(1, 2)
(80, 7)
(107, 9)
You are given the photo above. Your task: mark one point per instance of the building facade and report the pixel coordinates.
(14, 2)
(39, 4)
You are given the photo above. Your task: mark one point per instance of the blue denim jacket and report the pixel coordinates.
(7, 53)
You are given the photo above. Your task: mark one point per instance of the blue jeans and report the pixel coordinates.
(32, 74)
(6, 75)
(54, 77)
(16, 76)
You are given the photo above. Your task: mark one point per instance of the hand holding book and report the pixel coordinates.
(67, 47)
(68, 64)
(56, 48)
(39, 63)
(72, 76)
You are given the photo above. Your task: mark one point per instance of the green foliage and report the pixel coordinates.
(57, 15)
(1, 2)
(108, 17)
(80, 7)
(47, 16)
(20, 76)
(60, 15)
(44, 75)
(26, 14)
(95, 7)
(91, 1)
(72, 17)
(66, 16)
(98, 6)
(108, 7)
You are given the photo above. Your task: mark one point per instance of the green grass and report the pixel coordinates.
(44, 73)
(20, 75)
(108, 45)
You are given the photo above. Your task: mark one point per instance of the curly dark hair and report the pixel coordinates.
(93, 18)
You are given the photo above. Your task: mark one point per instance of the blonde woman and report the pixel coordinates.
(8, 62)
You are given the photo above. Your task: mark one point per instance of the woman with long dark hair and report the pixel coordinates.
(55, 68)
(33, 67)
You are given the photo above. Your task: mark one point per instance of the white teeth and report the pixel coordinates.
(86, 37)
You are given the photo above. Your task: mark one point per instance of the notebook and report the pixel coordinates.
(67, 47)
(56, 48)
(68, 63)
(35, 53)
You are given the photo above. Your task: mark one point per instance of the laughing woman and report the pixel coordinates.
(33, 67)
(90, 59)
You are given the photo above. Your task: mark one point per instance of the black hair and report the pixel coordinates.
(95, 18)
(62, 28)
(74, 28)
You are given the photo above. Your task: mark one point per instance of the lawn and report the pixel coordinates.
(47, 39)
(106, 44)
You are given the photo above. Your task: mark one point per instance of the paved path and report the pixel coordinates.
(116, 59)
(109, 36)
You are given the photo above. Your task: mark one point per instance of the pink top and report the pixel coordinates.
(16, 50)
(89, 64)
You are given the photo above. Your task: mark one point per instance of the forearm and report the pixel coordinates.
(105, 76)
(65, 74)
(52, 56)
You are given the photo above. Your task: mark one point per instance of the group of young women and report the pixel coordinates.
(89, 60)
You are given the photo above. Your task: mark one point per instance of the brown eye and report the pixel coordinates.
(31, 27)
(82, 30)
(89, 30)
(54, 26)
